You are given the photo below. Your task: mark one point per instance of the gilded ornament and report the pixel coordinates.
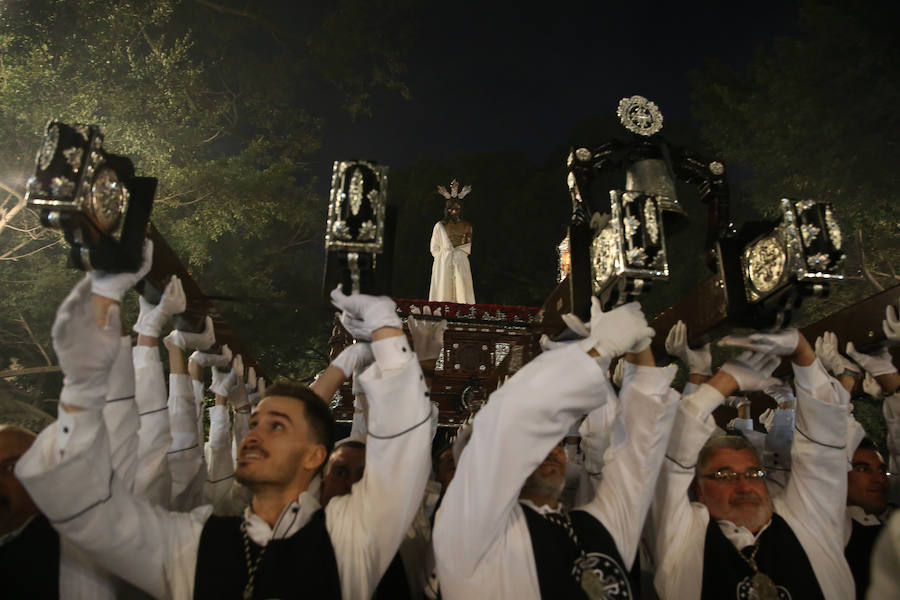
(809, 232)
(356, 192)
(639, 115)
(48, 148)
(60, 187)
(834, 230)
(651, 225)
(765, 264)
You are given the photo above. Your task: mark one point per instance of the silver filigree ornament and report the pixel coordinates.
(819, 261)
(107, 199)
(73, 157)
(804, 205)
(583, 154)
(60, 187)
(651, 225)
(639, 115)
(340, 230)
(336, 400)
(84, 131)
(631, 225)
(356, 192)
(570, 180)
(637, 256)
(604, 250)
(367, 231)
(48, 148)
(765, 264)
(716, 168)
(809, 232)
(834, 230)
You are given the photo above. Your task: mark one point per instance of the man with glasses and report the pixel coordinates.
(735, 541)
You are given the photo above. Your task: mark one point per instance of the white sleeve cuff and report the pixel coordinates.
(702, 402)
(650, 381)
(392, 353)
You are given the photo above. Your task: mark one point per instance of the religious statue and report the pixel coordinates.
(451, 244)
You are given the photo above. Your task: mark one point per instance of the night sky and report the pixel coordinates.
(487, 76)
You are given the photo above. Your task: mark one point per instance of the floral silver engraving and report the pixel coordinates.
(48, 148)
(631, 225)
(834, 230)
(651, 225)
(107, 199)
(716, 168)
(336, 400)
(640, 115)
(765, 264)
(340, 230)
(60, 187)
(570, 180)
(84, 131)
(356, 192)
(809, 232)
(367, 231)
(583, 154)
(604, 251)
(73, 157)
(501, 349)
(818, 261)
(804, 205)
(636, 256)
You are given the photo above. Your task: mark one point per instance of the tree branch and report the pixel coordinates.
(29, 371)
(7, 257)
(22, 320)
(243, 13)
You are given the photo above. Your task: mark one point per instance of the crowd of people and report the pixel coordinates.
(584, 475)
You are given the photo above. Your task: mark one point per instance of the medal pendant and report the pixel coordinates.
(593, 585)
(764, 587)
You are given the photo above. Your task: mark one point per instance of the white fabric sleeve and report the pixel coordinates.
(220, 464)
(79, 495)
(358, 428)
(121, 416)
(367, 525)
(186, 453)
(391, 354)
(891, 411)
(152, 479)
(815, 498)
(511, 435)
(634, 458)
(680, 525)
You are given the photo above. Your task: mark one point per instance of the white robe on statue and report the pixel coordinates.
(451, 277)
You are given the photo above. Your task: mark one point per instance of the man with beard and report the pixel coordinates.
(736, 541)
(285, 545)
(500, 531)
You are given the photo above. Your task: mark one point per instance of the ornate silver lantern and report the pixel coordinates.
(355, 229)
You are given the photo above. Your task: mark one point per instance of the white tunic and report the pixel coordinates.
(451, 277)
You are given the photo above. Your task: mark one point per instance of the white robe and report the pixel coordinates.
(451, 277)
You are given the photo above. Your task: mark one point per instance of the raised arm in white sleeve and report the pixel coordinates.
(511, 435)
(633, 460)
(152, 479)
(185, 456)
(367, 525)
(814, 501)
(121, 415)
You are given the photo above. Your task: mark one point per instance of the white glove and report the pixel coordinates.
(85, 351)
(224, 382)
(876, 364)
(362, 314)
(752, 370)
(782, 393)
(891, 324)
(779, 343)
(354, 358)
(872, 387)
(194, 341)
(114, 285)
(623, 329)
(207, 359)
(697, 361)
(619, 373)
(830, 357)
(463, 435)
(238, 396)
(427, 336)
(152, 318)
(252, 387)
(260, 388)
(767, 419)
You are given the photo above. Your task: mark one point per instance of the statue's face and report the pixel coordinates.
(453, 210)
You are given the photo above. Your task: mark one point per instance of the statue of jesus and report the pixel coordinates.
(451, 244)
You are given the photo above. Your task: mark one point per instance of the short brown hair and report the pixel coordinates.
(318, 415)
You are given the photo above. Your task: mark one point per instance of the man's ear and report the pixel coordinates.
(315, 457)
